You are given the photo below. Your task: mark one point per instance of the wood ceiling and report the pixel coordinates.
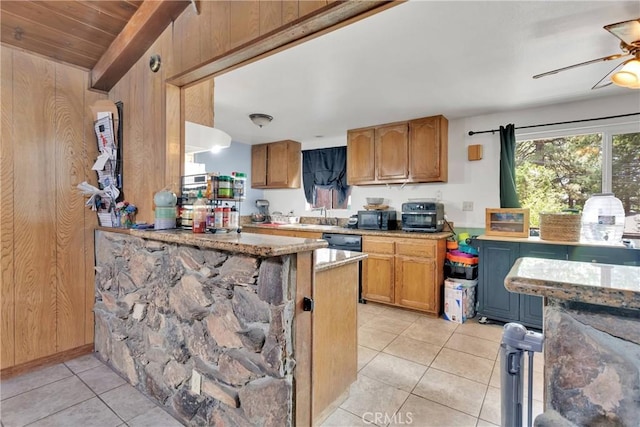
(75, 32)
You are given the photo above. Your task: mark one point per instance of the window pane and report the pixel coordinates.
(558, 173)
(625, 179)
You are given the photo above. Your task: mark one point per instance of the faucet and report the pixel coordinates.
(323, 221)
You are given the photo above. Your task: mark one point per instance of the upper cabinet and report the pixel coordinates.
(276, 165)
(404, 152)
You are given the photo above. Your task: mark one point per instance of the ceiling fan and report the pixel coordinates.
(629, 74)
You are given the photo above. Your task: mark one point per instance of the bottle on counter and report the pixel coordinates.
(199, 214)
(226, 211)
(234, 218)
(217, 217)
(239, 185)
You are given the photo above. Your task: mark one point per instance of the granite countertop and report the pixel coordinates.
(357, 231)
(326, 259)
(249, 243)
(602, 284)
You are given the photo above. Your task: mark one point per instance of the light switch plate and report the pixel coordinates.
(467, 206)
(196, 381)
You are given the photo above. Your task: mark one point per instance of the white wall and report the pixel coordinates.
(477, 181)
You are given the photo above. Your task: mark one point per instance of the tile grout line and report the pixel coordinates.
(40, 386)
(98, 396)
(64, 409)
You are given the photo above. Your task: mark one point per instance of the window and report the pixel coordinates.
(558, 172)
(324, 178)
(328, 198)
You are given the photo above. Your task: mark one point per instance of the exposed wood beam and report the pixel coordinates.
(144, 27)
(324, 19)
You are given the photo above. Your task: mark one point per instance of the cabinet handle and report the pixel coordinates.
(307, 304)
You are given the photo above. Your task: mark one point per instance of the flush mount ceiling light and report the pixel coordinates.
(629, 75)
(199, 138)
(260, 119)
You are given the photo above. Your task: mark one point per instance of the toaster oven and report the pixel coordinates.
(426, 217)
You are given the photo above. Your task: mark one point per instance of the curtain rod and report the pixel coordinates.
(471, 133)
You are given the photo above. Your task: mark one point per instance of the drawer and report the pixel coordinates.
(378, 246)
(416, 248)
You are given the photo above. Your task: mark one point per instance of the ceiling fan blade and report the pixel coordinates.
(627, 31)
(600, 86)
(593, 61)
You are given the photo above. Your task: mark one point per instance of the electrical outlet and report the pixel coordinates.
(196, 381)
(467, 206)
(438, 195)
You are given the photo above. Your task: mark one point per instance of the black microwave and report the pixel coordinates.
(377, 220)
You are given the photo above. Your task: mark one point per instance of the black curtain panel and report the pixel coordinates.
(508, 193)
(325, 168)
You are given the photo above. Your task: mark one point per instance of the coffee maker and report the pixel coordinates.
(263, 209)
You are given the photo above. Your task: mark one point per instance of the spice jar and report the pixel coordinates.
(225, 190)
(225, 216)
(239, 185)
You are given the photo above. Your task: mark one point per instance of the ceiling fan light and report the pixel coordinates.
(629, 75)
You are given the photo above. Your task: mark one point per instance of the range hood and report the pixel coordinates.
(199, 138)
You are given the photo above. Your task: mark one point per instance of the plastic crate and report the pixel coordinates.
(467, 272)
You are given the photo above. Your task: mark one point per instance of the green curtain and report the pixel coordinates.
(508, 193)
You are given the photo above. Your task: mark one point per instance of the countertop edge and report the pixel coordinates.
(356, 231)
(251, 244)
(570, 291)
(350, 257)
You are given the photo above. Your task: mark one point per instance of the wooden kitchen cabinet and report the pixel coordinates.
(428, 149)
(404, 152)
(276, 165)
(419, 278)
(378, 269)
(392, 153)
(404, 272)
(361, 155)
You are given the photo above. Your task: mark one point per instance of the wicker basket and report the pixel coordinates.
(562, 227)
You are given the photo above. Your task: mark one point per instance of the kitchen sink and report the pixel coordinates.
(313, 226)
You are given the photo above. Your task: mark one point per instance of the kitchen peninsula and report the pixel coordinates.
(212, 326)
(592, 338)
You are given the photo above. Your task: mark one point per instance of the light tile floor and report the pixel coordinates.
(81, 392)
(413, 370)
(422, 371)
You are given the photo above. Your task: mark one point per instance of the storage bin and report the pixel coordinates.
(563, 227)
(458, 271)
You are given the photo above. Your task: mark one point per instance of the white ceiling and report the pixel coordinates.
(423, 58)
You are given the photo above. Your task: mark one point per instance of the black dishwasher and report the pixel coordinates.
(347, 242)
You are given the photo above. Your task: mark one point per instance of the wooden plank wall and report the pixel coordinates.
(143, 93)
(47, 293)
(48, 147)
(151, 158)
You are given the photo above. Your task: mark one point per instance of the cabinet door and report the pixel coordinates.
(361, 156)
(496, 302)
(428, 149)
(416, 283)
(378, 278)
(277, 164)
(604, 255)
(531, 305)
(392, 152)
(259, 166)
(378, 269)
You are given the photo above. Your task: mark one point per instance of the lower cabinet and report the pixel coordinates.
(497, 258)
(404, 272)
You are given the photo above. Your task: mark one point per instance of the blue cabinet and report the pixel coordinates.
(495, 301)
(497, 257)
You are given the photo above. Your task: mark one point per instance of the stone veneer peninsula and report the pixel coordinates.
(592, 339)
(227, 306)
